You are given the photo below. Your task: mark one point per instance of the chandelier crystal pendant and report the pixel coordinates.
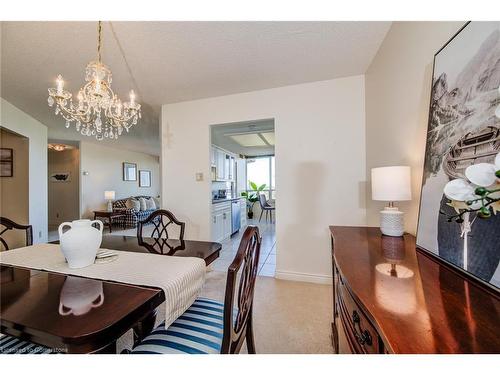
(99, 112)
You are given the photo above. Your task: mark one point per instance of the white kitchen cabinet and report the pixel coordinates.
(221, 221)
(226, 226)
(213, 161)
(220, 160)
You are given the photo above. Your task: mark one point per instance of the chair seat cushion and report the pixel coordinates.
(13, 345)
(198, 331)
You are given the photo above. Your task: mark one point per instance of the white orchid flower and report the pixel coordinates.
(459, 190)
(497, 159)
(482, 174)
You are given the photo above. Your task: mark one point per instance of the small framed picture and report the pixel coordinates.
(60, 177)
(144, 178)
(6, 162)
(129, 171)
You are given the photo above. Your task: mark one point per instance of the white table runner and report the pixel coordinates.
(181, 278)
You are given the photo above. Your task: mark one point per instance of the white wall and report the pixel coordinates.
(104, 166)
(19, 122)
(320, 164)
(398, 84)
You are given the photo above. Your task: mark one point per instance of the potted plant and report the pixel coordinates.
(252, 196)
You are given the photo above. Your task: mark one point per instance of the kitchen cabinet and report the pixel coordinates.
(224, 164)
(219, 160)
(213, 162)
(221, 221)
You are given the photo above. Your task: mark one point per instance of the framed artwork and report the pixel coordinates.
(6, 162)
(144, 178)
(129, 171)
(60, 177)
(463, 130)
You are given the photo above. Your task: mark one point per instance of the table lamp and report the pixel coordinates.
(109, 196)
(391, 184)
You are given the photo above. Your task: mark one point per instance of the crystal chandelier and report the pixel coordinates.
(99, 112)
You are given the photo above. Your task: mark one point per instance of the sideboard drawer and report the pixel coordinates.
(362, 332)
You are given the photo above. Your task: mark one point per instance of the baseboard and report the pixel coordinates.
(305, 277)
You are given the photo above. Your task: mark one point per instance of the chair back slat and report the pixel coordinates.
(161, 219)
(246, 263)
(8, 225)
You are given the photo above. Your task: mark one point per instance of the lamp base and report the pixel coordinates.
(392, 222)
(110, 206)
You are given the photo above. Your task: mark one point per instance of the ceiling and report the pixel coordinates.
(249, 138)
(167, 62)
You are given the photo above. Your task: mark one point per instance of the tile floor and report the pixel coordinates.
(267, 262)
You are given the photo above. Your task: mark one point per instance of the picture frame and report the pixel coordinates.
(6, 162)
(144, 178)
(60, 177)
(129, 171)
(462, 131)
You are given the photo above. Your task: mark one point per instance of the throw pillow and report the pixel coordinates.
(150, 204)
(133, 203)
(143, 204)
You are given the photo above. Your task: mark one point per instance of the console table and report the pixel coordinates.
(391, 297)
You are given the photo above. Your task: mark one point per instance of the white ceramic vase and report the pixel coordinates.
(80, 295)
(80, 243)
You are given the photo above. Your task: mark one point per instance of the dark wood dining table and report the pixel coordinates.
(72, 314)
(208, 251)
(81, 315)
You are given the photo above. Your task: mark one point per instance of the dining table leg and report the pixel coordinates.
(108, 349)
(144, 327)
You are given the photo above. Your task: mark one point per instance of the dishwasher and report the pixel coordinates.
(235, 216)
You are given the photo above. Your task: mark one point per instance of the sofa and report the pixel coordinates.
(132, 217)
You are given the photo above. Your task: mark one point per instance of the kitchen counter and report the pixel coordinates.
(215, 201)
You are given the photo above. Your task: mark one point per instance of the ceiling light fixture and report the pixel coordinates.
(95, 100)
(58, 147)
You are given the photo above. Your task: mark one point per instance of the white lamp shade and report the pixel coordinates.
(109, 195)
(391, 184)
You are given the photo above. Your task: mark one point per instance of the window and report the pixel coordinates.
(261, 170)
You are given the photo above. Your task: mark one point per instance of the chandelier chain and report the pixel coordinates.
(99, 32)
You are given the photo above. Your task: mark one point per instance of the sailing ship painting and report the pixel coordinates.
(463, 130)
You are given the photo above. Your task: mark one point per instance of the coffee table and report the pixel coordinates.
(109, 216)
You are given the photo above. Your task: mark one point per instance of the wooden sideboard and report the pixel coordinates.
(390, 297)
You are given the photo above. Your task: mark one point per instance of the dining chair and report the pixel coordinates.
(14, 345)
(8, 224)
(209, 326)
(265, 206)
(161, 219)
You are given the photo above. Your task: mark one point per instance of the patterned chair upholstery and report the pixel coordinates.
(132, 217)
(13, 345)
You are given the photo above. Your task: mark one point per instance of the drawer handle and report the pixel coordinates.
(363, 337)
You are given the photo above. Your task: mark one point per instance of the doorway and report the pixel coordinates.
(63, 184)
(14, 184)
(243, 167)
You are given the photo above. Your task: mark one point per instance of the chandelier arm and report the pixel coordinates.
(65, 110)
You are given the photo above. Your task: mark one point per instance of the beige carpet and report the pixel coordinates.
(289, 316)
